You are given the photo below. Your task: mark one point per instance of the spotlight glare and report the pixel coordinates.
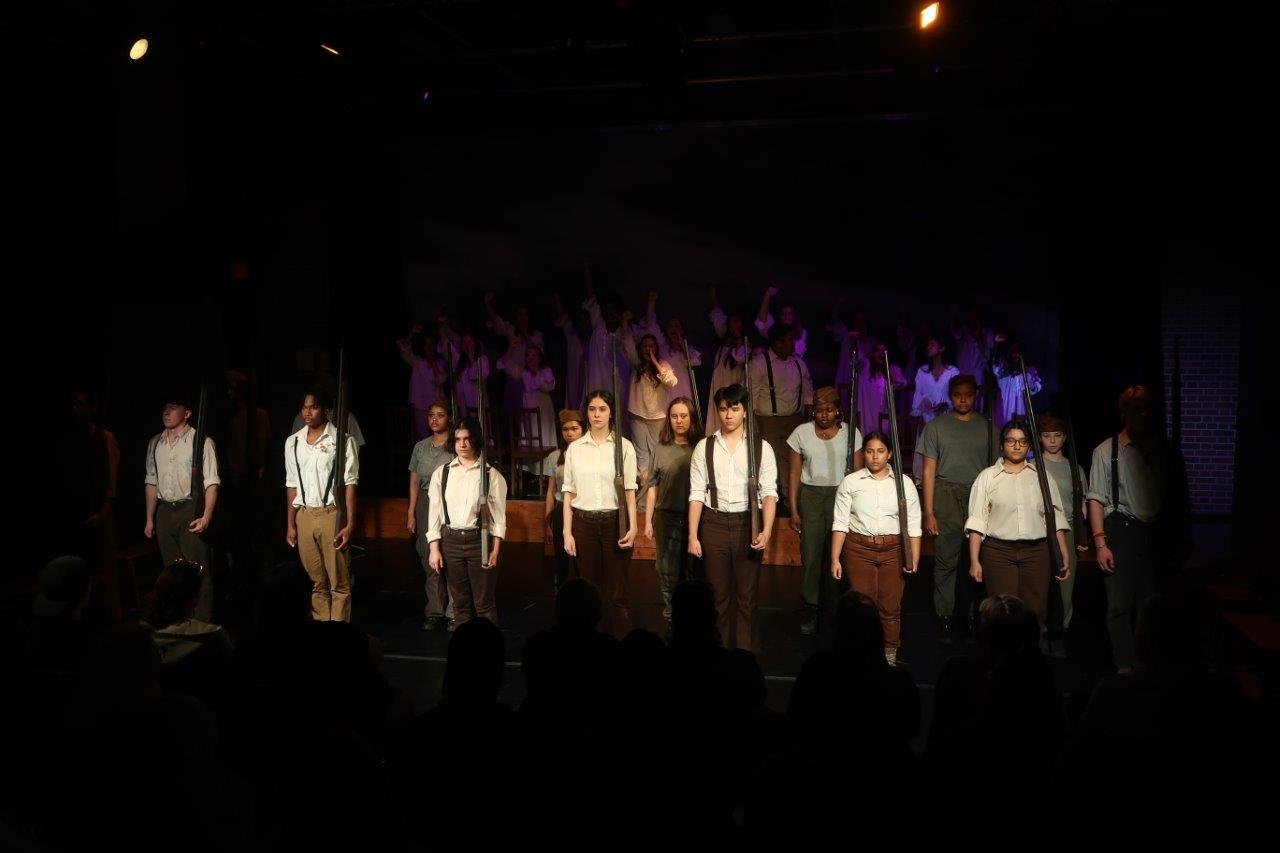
(330, 49)
(928, 15)
(139, 49)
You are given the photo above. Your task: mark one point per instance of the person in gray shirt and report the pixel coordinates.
(1053, 435)
(955, 446)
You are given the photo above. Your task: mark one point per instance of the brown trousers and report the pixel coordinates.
(177, 542)
(602, 562)
(1018, 568)
(470, 586)
(733, 570)
(873, 565)
(328, 568)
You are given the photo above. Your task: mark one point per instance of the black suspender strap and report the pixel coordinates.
(302, 489)
(1115, 473)
(711, 471)
(773, 395)
(444, 484)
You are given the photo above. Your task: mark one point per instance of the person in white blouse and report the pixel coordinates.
(651, 379)
(538, 382)
(729, 367)
(719, 517)
(311, 525)
(470, 372)
(453, 527)
(591, 508)
(1007, 369)
(170, 502)
(427, 376)
(520, 335)
(577, 337)
(788, 318)
(1006, 526)
(932, 394)
(866, 536)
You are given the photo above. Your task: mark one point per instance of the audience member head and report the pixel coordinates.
(473, 672)
(64, 588)
(578, 606)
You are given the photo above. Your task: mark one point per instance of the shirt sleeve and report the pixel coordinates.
(290, 463)
(929, 441)
(979, 505)
(793, 440)
(913, 508)
(768, 472)
(568, 485)
(351, 475)
(763, 326)
(844, 506)
(719, 322)
(435, 506)
(497, 506)
(1100, 475)
(210, 464)
(698, 472)
(149, 473)
(629, 472)
(857, 440)
(1060, 514)
(806, 384)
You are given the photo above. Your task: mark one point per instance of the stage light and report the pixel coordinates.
(139, 49)
(929, 15)
(330, 49)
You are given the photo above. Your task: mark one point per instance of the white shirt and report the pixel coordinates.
(168, 465)
(791, 384)
(516, 344)
(1141, 483)
(973, 351)
(307, 466)
(930, 392)
(731, 474)
(463, 497)
(426, 377)
(468, 397)
(1009, 401)
(588, 472)
(600, 353)
(1005, 505)
(869, 506)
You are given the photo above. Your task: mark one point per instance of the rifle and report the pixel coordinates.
(693, 384)
(753, 464)
(338, 477)
(619, 487)
(1050, 517)
(1176, 387)
(855, 416)
(453, 383)
(482, 512)
(904, 539)
(197, 450)
(1077, 487)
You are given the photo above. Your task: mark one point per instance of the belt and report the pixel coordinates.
(879, 539)
(595, 514)
(460, 532)
(176, 504)
(1019, 542)
(722, 514)
(1126, 520)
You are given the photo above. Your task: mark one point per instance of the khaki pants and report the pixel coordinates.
(873, 565)
(177, 542)
(328, 568)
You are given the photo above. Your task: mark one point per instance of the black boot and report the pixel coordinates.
(809, 624)
(944, 635)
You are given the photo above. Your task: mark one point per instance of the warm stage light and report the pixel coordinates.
(330, 49)
(139, 49)
(928, 15)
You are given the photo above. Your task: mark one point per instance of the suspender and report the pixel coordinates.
(1115, 473)
(711, 466)
(155, 462)
(773, 395)
(302, 489)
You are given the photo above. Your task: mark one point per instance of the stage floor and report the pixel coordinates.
(389, 600)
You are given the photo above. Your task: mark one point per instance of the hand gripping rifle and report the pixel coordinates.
(898, 474)
(753, 464)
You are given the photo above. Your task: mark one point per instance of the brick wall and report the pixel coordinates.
(1206, 324)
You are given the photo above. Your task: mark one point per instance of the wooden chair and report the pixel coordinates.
(527, 445)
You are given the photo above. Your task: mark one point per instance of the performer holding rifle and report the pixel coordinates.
(875, 534)
(600, 505)
(467, 525)
(1016, 526)
(1068, 476)
(321, 463)
(733, 496)
(181, 490)
(823, 451)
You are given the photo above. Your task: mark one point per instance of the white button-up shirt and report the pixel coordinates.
(168, 465)
(588, 472)
(731, 474)
(869, 506)
(463, 498)
(307, 466)
(791, 384)
(1005, 505)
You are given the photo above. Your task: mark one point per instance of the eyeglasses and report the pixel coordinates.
(1017, 442)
